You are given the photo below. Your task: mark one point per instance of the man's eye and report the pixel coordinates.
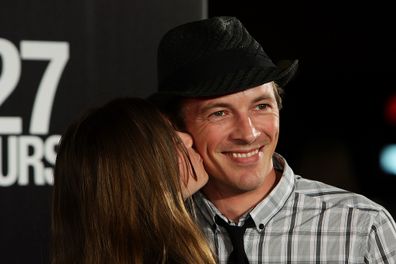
(218, 113)
(261, 106)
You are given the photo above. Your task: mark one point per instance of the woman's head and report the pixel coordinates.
(117, 179)
(192, 172)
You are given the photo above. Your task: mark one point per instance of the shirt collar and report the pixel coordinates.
(264, 211)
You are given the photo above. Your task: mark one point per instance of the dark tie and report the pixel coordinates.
(238, 254)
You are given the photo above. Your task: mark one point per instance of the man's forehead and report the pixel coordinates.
(259, 92)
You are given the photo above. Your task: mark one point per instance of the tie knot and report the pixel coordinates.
(236, 233)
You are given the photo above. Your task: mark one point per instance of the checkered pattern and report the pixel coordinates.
(305, 221)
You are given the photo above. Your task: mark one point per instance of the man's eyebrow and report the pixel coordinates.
(262, 98)
(210, 106)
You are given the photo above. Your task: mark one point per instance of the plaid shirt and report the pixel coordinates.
(305, 221)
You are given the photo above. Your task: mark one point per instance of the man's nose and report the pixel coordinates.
(245, 131)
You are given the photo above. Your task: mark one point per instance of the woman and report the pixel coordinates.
(122, 175)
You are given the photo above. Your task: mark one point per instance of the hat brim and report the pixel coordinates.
(282, 75)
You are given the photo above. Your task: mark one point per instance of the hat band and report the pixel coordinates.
(215, 65)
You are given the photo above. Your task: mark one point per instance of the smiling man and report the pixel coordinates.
(236, 135)
(217, 83)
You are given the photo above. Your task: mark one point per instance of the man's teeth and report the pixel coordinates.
(245, 155)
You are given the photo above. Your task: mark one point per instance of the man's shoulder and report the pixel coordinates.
(333, 196)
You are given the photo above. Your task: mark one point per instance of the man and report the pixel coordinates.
(217, 83)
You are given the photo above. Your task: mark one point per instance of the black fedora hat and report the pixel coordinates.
(214, 57)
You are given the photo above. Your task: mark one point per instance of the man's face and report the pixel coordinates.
(236, 136)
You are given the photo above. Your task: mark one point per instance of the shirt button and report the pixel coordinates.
(261, 226)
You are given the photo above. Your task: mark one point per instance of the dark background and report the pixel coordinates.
(112, 53)
(333, 123)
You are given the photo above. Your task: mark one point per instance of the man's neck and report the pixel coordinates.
(235, 205)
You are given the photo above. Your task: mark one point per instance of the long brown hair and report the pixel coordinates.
(117, 195)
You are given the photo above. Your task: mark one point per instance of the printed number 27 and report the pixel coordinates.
(57, 53)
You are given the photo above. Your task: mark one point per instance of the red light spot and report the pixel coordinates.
(390, 110)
